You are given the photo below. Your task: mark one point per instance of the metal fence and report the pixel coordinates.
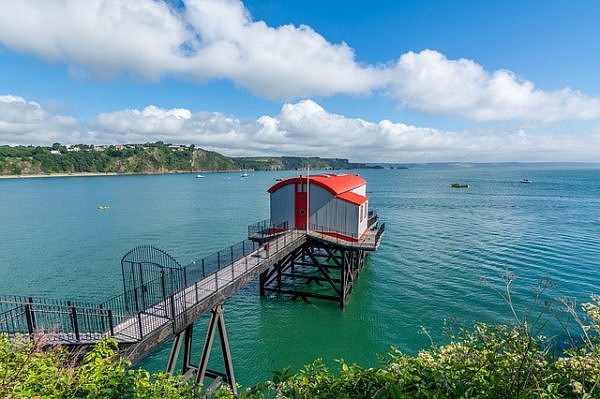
(76, 321)
(154, 294)
(266, 228)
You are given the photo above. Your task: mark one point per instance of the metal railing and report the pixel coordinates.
(266, 227)
(336, 233)
(373, 218)
(76, 321)
(223, 268)
(141, 309)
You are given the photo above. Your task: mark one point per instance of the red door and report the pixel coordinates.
(301, 206)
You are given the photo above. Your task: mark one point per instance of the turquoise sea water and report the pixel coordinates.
(440, 244)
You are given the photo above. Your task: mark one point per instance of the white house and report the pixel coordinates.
(335, 205)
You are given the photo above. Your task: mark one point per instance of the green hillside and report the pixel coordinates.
(143, 158)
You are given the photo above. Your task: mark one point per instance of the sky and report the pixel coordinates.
(377, 81)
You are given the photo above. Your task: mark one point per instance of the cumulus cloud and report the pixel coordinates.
(207, 39)
(23, 121)
(214, 39)
(430, 82)
(300, 128)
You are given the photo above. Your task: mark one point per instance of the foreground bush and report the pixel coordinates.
(485, 362)
(34, 369)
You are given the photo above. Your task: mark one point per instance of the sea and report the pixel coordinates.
(445, 261)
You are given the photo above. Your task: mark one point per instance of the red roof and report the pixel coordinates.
(336, 184)
(353, 198)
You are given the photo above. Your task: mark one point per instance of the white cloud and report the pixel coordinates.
(214, 39)
(209, 39)
(430, 82)
(25, 122)
(301, 128)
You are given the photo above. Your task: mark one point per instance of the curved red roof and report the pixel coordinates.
(336, 184)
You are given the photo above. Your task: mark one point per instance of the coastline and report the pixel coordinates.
(95, 174)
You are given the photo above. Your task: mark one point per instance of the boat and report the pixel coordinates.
(525, 181)
(244, 174)
(459, 185)
(103, 207)
(279, 179)
(200, 176)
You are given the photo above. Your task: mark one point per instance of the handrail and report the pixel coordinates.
(134, 313)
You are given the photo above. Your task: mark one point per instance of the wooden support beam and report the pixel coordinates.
(325, 273)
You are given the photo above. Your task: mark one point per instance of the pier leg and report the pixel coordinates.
(174, 353)
(187, 349)
(217, 322)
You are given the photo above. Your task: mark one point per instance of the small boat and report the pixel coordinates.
(103, 207)
(244, 174)
(279, 179)
(525, 181)
(459, 185)
(200, 176)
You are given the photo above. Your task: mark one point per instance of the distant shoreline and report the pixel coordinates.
(94, 174)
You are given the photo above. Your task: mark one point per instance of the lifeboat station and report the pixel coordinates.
(332, 212)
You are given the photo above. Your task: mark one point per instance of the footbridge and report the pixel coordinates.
(162, 299)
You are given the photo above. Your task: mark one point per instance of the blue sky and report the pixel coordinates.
(397, 81)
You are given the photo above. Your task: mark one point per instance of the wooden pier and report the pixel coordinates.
(162, 299)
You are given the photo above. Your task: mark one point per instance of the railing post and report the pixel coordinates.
(111, 323)
(102, 323)
(162, 283)
(203, 272)
(29, 317)
(173, 307)
(244, 248)
(217, 281)
(218, 260)
(140, 324)
(231, 251)
(74, 321)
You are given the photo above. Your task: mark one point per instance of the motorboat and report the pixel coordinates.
(200, 176)
(525, 181)
(103, 207)
(459, 185)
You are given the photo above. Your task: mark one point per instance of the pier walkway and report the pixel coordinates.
(139, 329)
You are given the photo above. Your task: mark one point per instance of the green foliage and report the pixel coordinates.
(36, 370)
(482, 362)
(485, 361)
(155, 157)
